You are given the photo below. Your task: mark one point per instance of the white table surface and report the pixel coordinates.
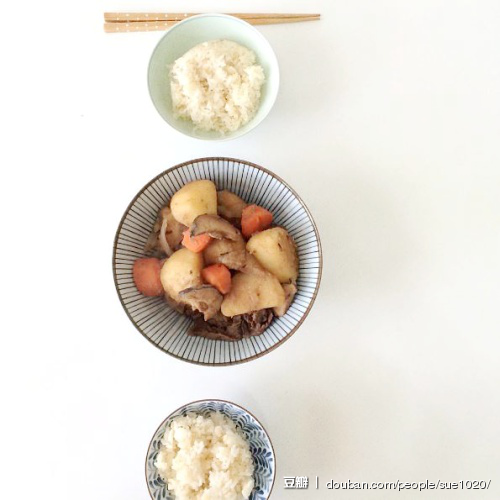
(387, 124)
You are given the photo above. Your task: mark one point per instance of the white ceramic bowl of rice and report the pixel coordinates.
(198, 43)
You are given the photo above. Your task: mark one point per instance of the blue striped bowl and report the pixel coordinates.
(165, 327)
(260, 447)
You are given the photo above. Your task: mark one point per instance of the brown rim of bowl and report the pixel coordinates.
(279, 179)
(203, 401)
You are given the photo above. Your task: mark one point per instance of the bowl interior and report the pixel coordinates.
(260, 447)
(165, 327)
(184, 36)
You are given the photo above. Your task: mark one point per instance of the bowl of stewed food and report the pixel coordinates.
(217, 261)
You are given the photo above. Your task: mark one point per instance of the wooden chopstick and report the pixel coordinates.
(117, 22)
(128, 17)
(118, 27)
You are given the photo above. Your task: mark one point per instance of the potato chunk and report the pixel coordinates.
(290, 291)
(275, 250)
(182, 270)
(195, 198)
(229, 205)
(230, 253)
(252, 292)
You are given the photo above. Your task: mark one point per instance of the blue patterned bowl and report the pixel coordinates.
(260, 447)
(165, 327)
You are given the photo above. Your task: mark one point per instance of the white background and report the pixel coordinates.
(387, 124)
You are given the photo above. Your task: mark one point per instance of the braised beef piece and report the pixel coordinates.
(181, 308)
(216, 227)
(236, 222)
(205, 299)
(222, 328)
(256, 322)
(217, 328)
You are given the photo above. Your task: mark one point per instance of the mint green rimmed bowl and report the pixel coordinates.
(203, 28)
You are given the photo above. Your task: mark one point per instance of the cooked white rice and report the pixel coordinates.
(216, 85)
(205, 458)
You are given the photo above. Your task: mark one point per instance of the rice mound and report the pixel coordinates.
(217, 85)
(205, 458)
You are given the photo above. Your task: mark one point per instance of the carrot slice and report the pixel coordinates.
(195, 243)
(219, 276)
(254, 219)
(146, 274)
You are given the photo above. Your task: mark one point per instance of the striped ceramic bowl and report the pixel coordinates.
(260, 447)
(166, 328)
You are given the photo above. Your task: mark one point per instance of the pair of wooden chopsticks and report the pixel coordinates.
(126, 22)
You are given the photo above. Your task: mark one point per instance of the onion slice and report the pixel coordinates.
(163, 238)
